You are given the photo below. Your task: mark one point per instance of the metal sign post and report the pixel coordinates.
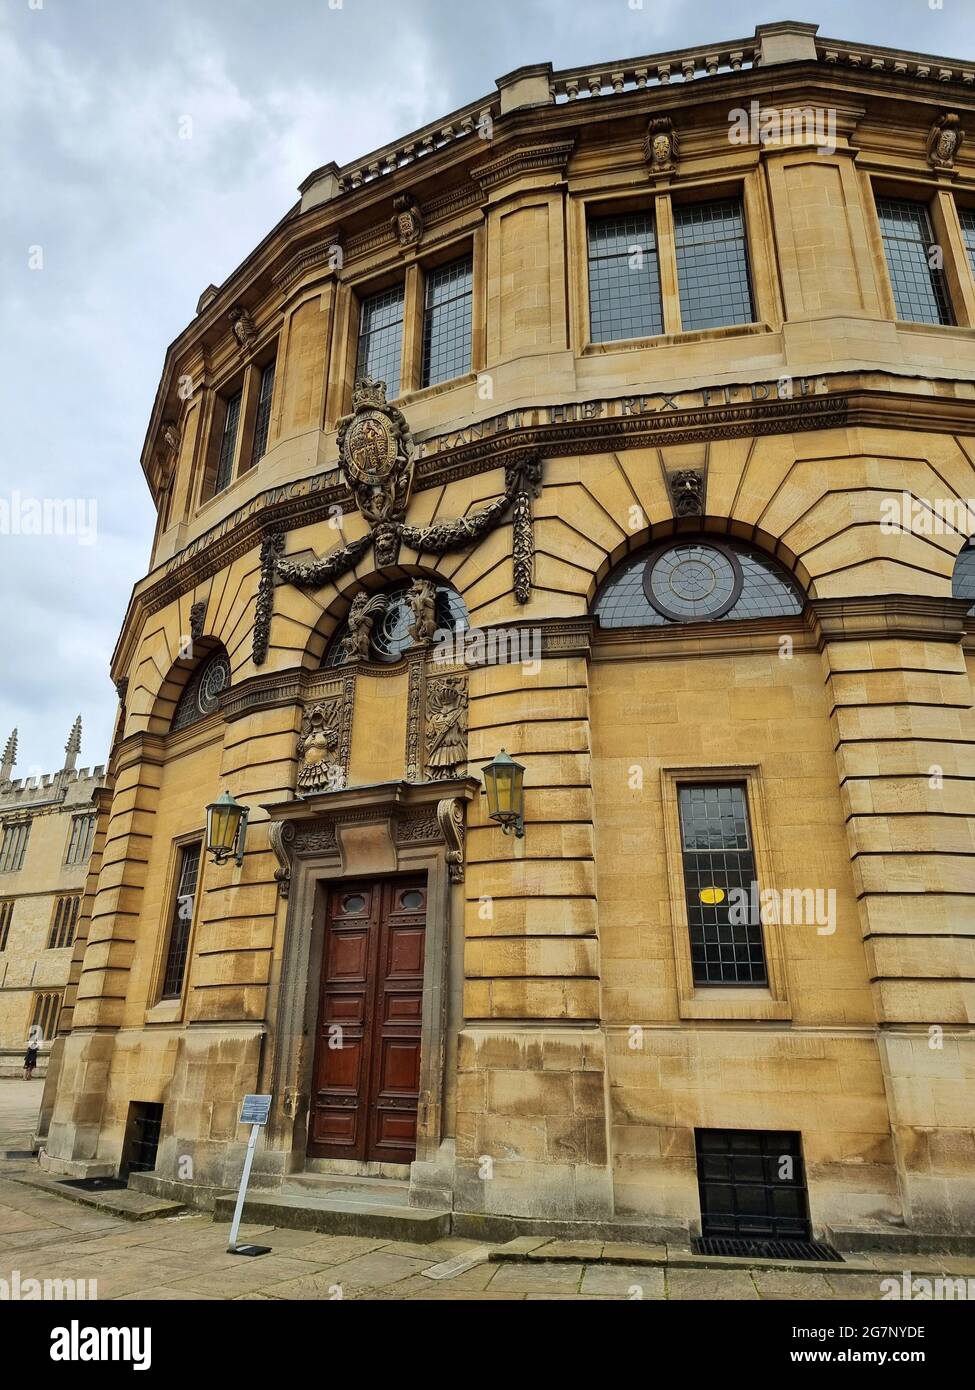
(254, 1111)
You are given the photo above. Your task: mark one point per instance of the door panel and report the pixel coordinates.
(367, 1059)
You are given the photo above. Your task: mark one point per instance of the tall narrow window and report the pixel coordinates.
(967, 218)
(712, 264)
(13, 846)
(6, 913)
(447, 322)
(80, 839)
(263, 418)
(228, 443)
(726, 935)
(381, 338)
(181, 921)
(920, 291)
(63, 922)
(44, 1020)
(624, 278)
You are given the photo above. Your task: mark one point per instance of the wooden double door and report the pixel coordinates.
(366, 1080)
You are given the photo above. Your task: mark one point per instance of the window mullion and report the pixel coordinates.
(667, 259)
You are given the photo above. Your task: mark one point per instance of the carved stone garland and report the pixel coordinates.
(376, 449)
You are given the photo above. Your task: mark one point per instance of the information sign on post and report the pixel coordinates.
(254, 1111)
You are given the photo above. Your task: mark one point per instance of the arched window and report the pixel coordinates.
(201, 695)
(696, 580)
(963, 579)
(389, 620)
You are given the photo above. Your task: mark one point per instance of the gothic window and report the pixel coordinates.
(963, 580)
(390, 634)
(63, 922)
(6, 913)
(13, 846)
(696, 581)
(44, 1020)
(201, 697)
(80, 839)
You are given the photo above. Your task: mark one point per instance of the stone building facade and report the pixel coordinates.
(623, 419)
(47, 826)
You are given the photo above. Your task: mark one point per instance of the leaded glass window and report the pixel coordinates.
(967, 218)
(624, 278)
(80, 840)
(920, 291)
(201, 697)
(228, 443)
(963, 578)
(263, 418)
(447, 321)
(181, 921)
(63, 922)
(13, 846)
(44, 1020)
(693, 581)
(712, 264)
(719, 871)
(6, 913)
(381, 338)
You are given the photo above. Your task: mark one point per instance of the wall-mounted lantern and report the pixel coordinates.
(226, 829)
(504, 783)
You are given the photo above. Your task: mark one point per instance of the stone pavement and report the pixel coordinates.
(43, 1236)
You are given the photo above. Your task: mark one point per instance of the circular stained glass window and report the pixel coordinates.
(215, 678)
(692, 582)
(355, 902)
(411, 900)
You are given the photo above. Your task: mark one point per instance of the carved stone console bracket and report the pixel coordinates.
(419, 814)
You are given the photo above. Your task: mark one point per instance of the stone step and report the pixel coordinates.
(338, 1214)
(123, 1202)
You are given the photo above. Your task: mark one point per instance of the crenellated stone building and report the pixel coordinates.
(625, 420)
(47, 827)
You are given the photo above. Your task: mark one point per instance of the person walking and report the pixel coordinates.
(30, 1060)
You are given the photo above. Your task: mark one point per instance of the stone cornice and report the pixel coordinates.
(917, 617)
(449, 457)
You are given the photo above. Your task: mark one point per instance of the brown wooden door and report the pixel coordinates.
(367, 1048)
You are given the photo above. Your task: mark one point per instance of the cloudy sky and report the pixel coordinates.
(112, 222)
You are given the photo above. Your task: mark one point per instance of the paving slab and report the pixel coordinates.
(628, 1281)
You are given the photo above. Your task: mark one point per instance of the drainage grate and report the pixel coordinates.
(759, 1249)
(95, 1184)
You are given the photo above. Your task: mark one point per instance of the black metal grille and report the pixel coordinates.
(624, 279)
(920, 291)
(752, 1184)
(766, 1249)
(719, 871)
(182, 920)
(447, 322)
(263, 419)
(381, 338)
(94, 1184)
(228, 443)
(145, 1122)
(712, 265)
